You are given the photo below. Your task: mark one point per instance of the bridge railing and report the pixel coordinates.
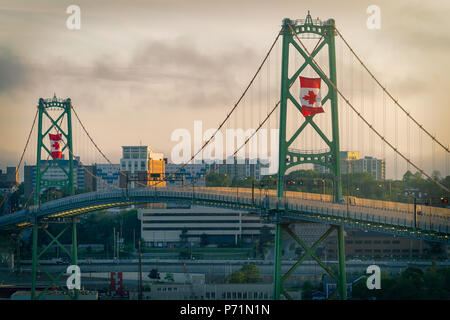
(295, 202)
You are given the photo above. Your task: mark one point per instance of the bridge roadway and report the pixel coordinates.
(388, 217)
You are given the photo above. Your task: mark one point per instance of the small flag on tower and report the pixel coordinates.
(310, 98)
(55, 144)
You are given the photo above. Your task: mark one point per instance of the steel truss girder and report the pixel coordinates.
(54, 281)
(310, 251)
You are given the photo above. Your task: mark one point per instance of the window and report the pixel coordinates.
(395, 241)
(377, 241)
(367, 241)
(358, 241)
(386, 241)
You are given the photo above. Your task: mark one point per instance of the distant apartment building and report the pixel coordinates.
(109, 174)
(141, 167)
(82, 179)
(238, 168)
(7, 178)
(164, 226)
(190, 173)
(374, 244)
(352, 163)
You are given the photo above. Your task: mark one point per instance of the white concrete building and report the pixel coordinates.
(161, 227)
(135, 158)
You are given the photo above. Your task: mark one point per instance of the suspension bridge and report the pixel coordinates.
(308, 50)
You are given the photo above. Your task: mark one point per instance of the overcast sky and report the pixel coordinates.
(137, 70)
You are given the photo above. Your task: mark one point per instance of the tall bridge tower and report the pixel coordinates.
(65, 133)
(288, 157)
(53, 139)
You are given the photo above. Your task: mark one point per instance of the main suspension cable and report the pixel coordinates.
(390, 95)
(21, 158)
(362, 118)
(232, 110)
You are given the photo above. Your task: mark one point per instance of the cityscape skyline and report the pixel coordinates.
(152, 73)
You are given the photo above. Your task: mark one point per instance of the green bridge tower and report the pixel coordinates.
(63, 114)
(289, 157)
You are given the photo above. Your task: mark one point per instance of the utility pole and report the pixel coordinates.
(415, 213)
(114, 242)
(140, 271)
(253, 191)
(118, 244)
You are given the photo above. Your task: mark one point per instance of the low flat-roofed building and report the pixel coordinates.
(161, 227)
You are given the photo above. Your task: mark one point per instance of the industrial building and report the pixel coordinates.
(374, 244)
(175, 291)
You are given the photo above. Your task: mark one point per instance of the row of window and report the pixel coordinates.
(224, 295)
(386, 251)
(379, 250)
(374, 241)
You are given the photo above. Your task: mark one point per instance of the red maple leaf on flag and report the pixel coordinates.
(311, 97)
(55, 145)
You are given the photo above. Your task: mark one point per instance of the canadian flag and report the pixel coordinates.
(310, 96)
(55, 144)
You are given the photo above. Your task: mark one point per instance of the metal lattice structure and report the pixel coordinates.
(67, 184)
(289, 158)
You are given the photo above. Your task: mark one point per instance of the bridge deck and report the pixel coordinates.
(432, 224)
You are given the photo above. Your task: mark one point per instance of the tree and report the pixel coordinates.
(249, 273)
(169, 277)
(265, 235)
(154, 274)
(307, 290)
(218, 180)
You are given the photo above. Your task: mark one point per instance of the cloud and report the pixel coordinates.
(13, 72)
(171, 73)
